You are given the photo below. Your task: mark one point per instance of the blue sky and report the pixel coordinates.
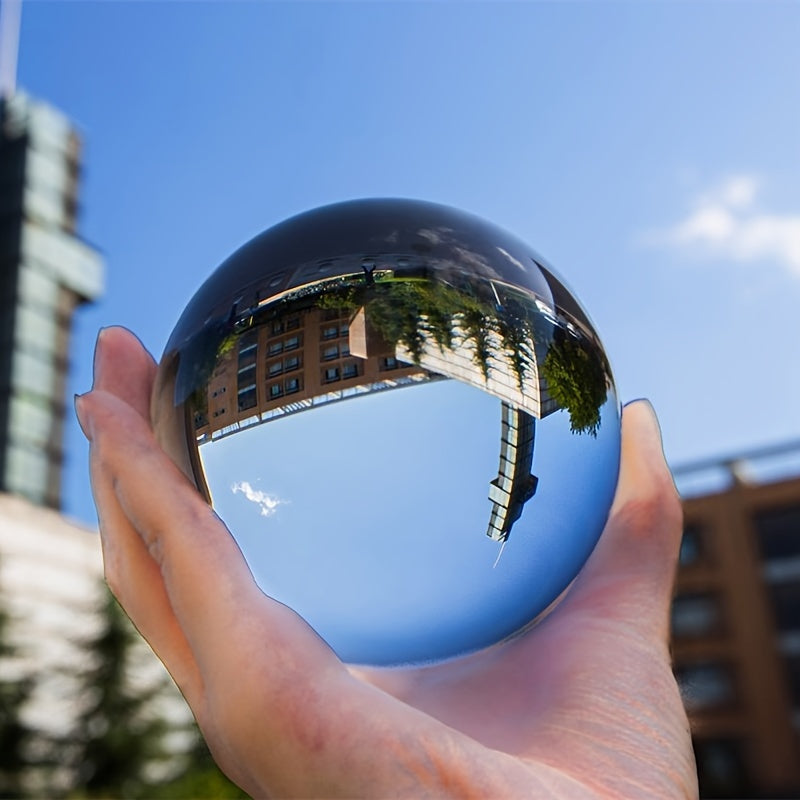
(648, 150)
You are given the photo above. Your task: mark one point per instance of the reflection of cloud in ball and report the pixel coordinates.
(268, 503)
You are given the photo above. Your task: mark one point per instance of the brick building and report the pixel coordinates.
(736, 622)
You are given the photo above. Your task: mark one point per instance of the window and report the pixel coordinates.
(330, 352)
(331, 332)
(292, 343)
(344, 329)
(248, 342)
(695, 615)
(692, 545)
(291, 363)
(274, 368)
(292, 385)
(247, 358)
(275, 390)
(779, 532)
(247, 376)
(344, 349)
(389, 362)
(275, 348)
(721, 768)
(793, 667)
(331, 374)
(292, 323)
(705, 685)
(786, 605)
(350, 370)
(247, 398)
(277, 327)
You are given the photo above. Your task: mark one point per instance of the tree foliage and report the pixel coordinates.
(199, 778)
(17, 738)
(576, 379)
(118, 733)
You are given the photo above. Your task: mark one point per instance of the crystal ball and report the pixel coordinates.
(406, 420)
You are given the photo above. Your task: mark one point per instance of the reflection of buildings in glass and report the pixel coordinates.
(311, 356)
(294, 362)
(46, 271)
(514, 484)
(460, 362)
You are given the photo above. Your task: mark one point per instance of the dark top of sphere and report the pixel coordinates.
(348, 236)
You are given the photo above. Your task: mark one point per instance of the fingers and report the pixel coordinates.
(208, 584)
(124, 368)
(633, 566)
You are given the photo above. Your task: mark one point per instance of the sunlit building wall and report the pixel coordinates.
(736, 624)
(290, 363)
(46, 271)
(530, 394)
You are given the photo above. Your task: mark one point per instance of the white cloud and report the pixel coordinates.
(727, 223)
(268, 503)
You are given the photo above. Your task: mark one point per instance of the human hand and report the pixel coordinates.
(584, 704)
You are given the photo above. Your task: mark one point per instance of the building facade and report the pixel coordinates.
(736, 628)
(46, 271)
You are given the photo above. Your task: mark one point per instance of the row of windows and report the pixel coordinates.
(334, 331)
(280, 326)
(777, 532)
(334, 351)
(283, 345)
(286, 365)
(333, 374)
(246, 390)
(291, 363)
(289, 386)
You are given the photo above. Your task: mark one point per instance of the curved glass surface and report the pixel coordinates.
(406, 420)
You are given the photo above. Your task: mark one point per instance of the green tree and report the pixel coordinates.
(577, 379)
(118, 734)
(200, 778)
(16, 738)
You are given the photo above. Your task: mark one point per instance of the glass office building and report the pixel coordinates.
(46, 271)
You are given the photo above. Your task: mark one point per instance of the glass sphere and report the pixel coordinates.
(406, 420)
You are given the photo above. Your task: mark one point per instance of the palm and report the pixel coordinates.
(563, 696)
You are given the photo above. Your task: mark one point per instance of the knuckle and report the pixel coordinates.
(660, 509)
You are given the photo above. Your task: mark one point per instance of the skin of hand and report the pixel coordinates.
(582, 705)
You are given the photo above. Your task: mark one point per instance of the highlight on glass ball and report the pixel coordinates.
(405, 419)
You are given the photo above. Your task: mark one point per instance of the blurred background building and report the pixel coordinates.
(46, 272)
(736, 621)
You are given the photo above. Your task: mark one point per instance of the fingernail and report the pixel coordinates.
(644, 403)
(97, 362)
(84, 419)
(638, 400)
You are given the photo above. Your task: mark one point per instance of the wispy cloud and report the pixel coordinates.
(727, 222)
(268, 503)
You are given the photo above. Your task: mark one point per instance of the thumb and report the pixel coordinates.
(633, 566)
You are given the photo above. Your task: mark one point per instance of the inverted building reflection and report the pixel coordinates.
(378, 328)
